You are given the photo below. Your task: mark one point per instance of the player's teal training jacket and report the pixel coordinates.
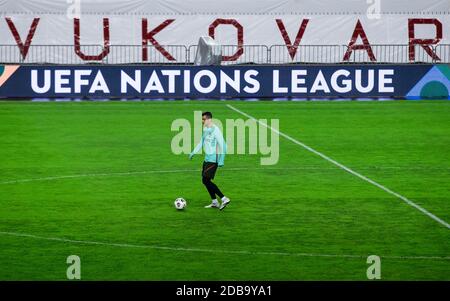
(214, 145)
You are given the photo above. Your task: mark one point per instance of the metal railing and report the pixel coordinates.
(245, 54)
(323, 54)
(251, 54)
(53, 54)
(443, 52)
(137, 54)
(397, 54)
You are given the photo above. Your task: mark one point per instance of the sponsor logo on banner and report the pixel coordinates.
(6, 71)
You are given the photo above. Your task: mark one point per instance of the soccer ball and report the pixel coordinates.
(180, 203)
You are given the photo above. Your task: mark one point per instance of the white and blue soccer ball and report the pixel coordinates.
(180, 203)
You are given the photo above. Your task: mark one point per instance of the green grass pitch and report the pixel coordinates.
(302, 219)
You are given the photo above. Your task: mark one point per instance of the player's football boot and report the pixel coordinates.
(214, 204)
(225, 202)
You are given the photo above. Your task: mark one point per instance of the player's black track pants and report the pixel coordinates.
(208, 173)
(212, 188)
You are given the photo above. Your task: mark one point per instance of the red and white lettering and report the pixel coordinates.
(105, 51)
(240, 36)
(23, 47)
(359, 32)
(292, 48)
(425, 43)
(148, 36)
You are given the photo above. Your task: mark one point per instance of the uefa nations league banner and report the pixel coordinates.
(221, 82)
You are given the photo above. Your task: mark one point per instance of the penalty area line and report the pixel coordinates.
(404, 199)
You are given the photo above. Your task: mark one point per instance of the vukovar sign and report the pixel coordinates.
(213, 82)
(359, 33)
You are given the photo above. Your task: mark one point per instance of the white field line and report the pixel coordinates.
(407, 201)
(128, 173)
(214, 251)
(98, 175)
